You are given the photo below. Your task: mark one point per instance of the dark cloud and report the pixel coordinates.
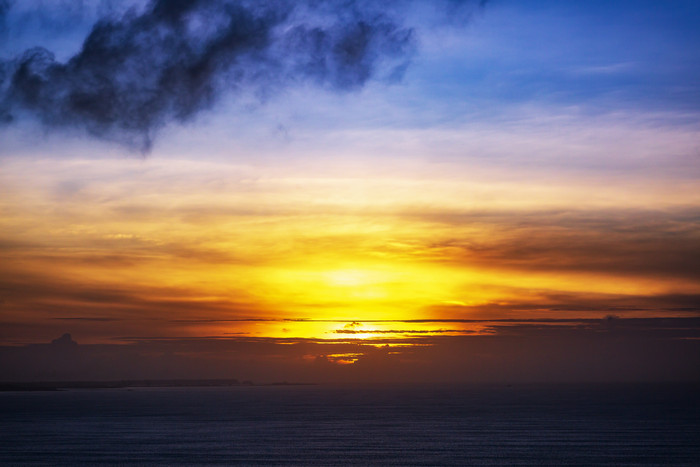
(633, 242)
(64, 341)
(574, 305)
(638, 328)
(658, 349)
(45, 297)
(81, 318)
(403, 331)
(145, 69)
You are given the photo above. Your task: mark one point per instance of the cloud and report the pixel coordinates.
(404, 331)
(89, 319)
(136, 73)
(64, 341)
(567, 306)
(109, 307)
(633, 242)
(662, 349)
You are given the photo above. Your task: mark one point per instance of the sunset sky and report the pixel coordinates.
(333, 190)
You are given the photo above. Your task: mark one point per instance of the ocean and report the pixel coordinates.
(520, 424)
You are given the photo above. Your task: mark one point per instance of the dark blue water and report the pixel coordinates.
(355, 425)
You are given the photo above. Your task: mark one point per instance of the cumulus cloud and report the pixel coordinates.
(137, 72)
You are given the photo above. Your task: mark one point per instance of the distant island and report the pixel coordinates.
(146, 383)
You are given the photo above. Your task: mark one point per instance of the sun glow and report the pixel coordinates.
(356, 292)
(300, 268)
(352, 278)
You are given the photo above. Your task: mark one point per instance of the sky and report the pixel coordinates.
(327, 190)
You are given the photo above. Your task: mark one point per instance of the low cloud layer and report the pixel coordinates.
(591, 351)
(137, 72)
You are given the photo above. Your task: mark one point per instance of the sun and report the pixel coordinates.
(351, 278)
(356, 291)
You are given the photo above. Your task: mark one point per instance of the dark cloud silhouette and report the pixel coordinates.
(96, 320)
(634, 242)
(403, 331)
(64, 341)
(138, 72)
(654, 349)
(574, 304)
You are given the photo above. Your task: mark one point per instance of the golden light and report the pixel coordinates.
(302, 267)
(351, 277)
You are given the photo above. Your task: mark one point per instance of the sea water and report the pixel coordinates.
(623, 424)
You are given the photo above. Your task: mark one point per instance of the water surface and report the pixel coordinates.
(355, 425)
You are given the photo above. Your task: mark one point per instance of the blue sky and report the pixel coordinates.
(591, 58)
